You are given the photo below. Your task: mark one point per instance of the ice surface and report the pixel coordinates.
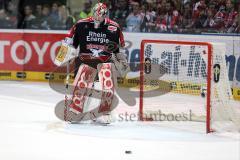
(29, 130)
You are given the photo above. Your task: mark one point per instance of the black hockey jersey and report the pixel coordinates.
(96, 44)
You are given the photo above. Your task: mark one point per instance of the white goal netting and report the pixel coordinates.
(187, 81)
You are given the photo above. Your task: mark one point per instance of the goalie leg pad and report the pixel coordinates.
(107, 78)
(83, 84)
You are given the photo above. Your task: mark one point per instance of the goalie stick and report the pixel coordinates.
(66, 92)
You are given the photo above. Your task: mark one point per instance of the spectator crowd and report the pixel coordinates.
(178, 16)
(41, 16)
(159, 16)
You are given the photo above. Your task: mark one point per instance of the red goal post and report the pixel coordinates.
(166, 46)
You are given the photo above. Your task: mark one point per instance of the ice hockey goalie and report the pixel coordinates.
(99, 40)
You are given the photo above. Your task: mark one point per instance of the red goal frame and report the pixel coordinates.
(209, 76)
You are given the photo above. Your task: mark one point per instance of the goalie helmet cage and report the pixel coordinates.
(214, 93)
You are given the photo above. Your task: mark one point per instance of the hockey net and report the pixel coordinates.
(186, 81)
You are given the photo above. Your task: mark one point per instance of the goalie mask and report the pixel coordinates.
(99, 14)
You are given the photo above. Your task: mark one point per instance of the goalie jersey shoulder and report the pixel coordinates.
(89, 19)
(112, 25)
(111, 22)
(73, 29)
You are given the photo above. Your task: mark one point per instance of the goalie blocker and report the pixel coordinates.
(66, 52)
